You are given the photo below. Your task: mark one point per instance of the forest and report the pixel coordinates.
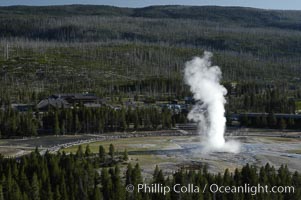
(83, 120)
(77, 176)
(86, 120)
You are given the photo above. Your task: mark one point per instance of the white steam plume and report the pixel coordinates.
(209, 110)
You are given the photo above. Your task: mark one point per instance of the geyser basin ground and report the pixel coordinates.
(172, 152)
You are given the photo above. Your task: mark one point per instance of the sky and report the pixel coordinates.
(265, 4)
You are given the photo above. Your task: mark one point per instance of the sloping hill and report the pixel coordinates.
(230, 15)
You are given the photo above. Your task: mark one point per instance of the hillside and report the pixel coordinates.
(230, 15)
(125, 51)
(235, 29)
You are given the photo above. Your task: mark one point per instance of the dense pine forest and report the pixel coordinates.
(98, 176)
(86, 120)
(83, 120)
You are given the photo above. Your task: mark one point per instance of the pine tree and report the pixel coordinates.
(88, 151)
(1, 193)
(97, 194)
(282, 124)
(160, 178)
(125, 155)
(47, 191)
(56, 124)
(25, 196)
(291, 123)
(8, 184)
(35, 188)
(63, 128)
(112, 151)
(57, 194)
(136, 120)
(264, 121)
(129, 172)
(63, 189)
(156, 172)
(80, 152)
(106, 183)
(16, 193)
(227, 177)
(101, 153)
(118, 190)
(100, 126)
(244, 120)
(137, 179)
(76, 124)
(123, 124)
(272, 121)
(296, 182)
(23, 179)
(258, 122)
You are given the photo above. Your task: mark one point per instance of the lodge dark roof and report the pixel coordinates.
(92, 105)
(54, 102)
(75, 96)
(22, 107)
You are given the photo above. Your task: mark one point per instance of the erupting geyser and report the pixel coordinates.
(209, 110)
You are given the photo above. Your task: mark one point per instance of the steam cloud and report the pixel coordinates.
(208, 112)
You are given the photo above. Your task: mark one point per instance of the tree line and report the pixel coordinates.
(270, 121)
(86, 120)
(81, 120)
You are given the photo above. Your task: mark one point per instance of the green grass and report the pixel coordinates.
(279, 139)
(297, 151)
(146, 161)
(131, 144)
